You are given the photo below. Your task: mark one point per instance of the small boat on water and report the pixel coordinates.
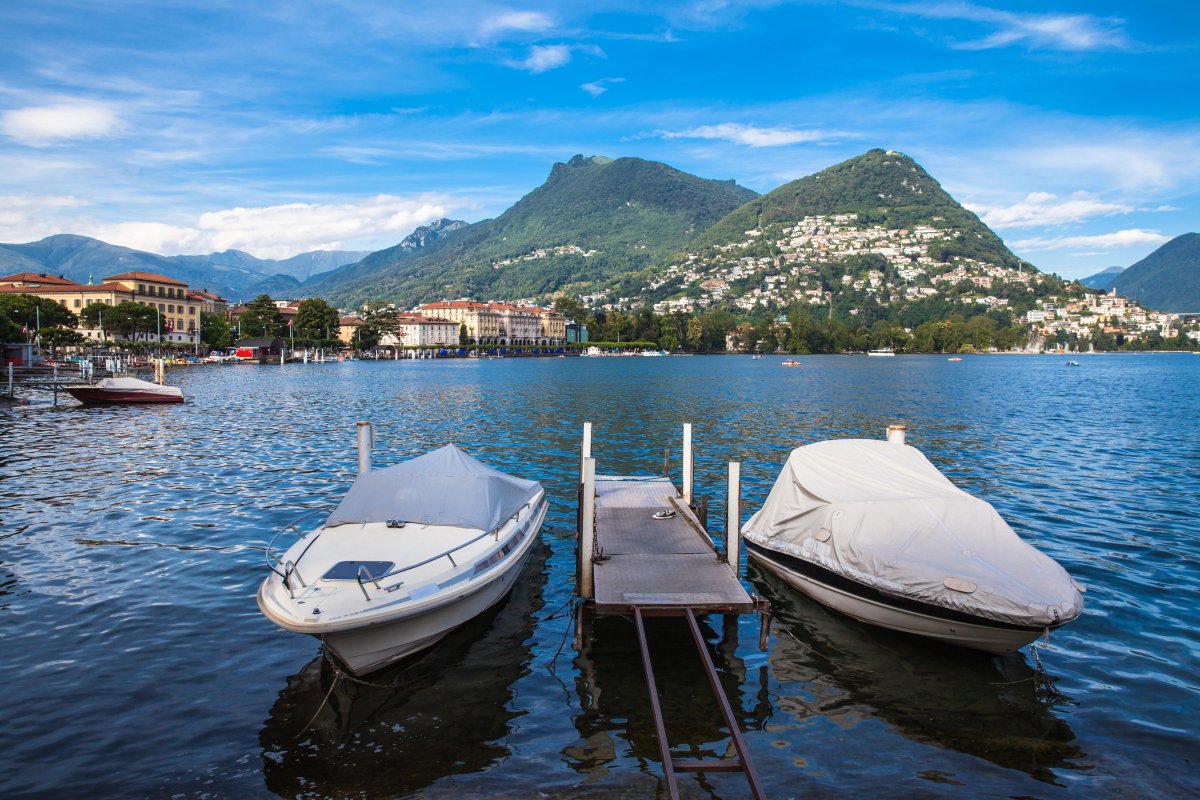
(882, 352)
(790, 363)
(872, 529)
(954, 358)
(1072, 363)
(411, 552)
(107, 391)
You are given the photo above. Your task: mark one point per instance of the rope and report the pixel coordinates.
(337, 676)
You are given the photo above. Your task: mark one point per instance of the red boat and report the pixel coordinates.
(124, 390)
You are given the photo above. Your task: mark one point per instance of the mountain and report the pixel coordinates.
(872, 238)
(593, 222)
(233, 274)
(421, 239)
(1103, 279)
(1168, 279)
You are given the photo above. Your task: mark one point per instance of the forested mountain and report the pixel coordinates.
(1168, 279)
(1103, 279)
(594, 222)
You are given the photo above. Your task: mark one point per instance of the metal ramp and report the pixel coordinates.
(643, 552)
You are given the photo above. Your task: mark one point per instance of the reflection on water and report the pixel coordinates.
(990, 707)
(617, 719)
(449, 712)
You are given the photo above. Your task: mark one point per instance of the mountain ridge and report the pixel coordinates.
(1168, 279)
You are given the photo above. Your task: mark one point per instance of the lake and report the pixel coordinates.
(136, 663)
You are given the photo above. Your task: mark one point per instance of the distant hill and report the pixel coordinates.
(594, 222)
(881, 187)
(1168, 279)
(421, 240)
(233, 274)
(1103, 279)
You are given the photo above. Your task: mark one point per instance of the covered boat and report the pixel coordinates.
(124, 390)
(872, 529)
(411, 552)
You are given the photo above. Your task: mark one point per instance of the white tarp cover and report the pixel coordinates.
(892, 521)
(136, 385)
(445, 487)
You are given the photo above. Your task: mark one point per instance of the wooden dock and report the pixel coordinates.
(643, 552)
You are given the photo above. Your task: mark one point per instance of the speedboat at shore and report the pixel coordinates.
(872, 529)
(882, 352)
(410, 553)
(124, 390)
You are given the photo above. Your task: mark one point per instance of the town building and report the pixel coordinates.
(502, 323)
(178, 306)
(415, 330)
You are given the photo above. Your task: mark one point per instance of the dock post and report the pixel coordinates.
(10, 380)
(895, 433)
(366, 441)
(585, 450)
(733, 517)
(687, 463)
(587, 531)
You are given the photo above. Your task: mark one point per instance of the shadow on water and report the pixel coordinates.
(449, 712)
(617, 721)
(993, 708)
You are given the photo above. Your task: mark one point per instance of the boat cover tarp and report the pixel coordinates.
(892, 521)
(445, 487)
(137, 385)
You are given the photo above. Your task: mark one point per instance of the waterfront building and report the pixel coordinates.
(347, 327)
(502, 323)
(179, 307)
(416, 330)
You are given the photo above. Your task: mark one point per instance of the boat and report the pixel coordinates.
(1072, 363)
(954, 358)
(790, 363)
(873, 530)
(411, 552)
(107, 391)
(882, 352)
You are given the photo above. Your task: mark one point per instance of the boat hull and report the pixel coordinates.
(94, 396)
(876, 608)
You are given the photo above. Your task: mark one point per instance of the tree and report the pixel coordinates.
(127, 319)
(20, 312)
(56, 337)
(695, 333)
(262, 318)
(316, 319)
(379, 320)
(214, 331)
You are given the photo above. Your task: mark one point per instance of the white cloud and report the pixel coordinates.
(597, 88)
(524, 21)
(281, 231)
(1042, 208)
(1072, 32)
(750, 135)
(1108, 241)
(41, 126)
(545, 57)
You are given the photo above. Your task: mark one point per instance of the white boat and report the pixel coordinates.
(108, 391)
(882, 352)
(411, 552)
(872, 529)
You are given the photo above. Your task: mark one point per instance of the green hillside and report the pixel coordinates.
(883, 188)
(1168, 279)
(593, 221)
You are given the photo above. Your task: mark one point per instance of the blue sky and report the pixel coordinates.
(1071, 127)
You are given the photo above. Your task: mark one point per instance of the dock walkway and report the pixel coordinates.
(657, 564)
(643, 552)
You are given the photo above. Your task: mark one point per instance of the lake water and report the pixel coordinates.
(136, 664)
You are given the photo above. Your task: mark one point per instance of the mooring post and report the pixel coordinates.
(687, 464)
(585, 449)
(10, 381)
(733, 517)
(587, 531)
(895, 433)
(366, 441)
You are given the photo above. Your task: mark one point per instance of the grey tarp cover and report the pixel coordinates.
(445, 487)
(135, 384)
(894, 522)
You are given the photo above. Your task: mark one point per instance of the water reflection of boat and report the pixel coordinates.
(450, 713)
(411, 552)
(832, 667)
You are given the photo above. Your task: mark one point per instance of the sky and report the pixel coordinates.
(1072, 128)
